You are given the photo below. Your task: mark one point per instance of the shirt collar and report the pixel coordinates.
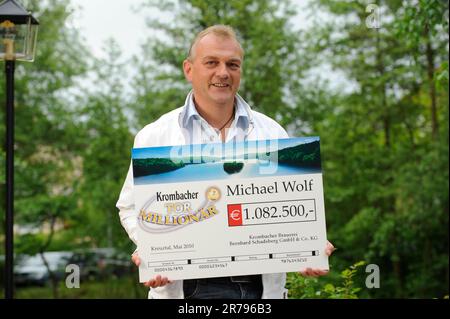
(191, 113)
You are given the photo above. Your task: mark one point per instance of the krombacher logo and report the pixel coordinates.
(177, 214)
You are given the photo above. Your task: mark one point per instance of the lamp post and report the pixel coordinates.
(18, 31)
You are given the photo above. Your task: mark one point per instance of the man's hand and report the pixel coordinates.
(158, 281)
(310, 272)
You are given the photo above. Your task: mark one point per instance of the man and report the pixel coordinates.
(213, 112)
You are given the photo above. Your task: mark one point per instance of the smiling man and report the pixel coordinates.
(213, 112)
(214, 69)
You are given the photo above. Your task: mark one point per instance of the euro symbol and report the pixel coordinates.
(235, 215)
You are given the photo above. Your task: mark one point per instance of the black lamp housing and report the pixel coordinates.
(18, 32)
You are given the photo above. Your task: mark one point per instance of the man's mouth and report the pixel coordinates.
(220, 85)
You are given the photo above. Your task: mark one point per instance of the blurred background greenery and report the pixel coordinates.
(372, 84)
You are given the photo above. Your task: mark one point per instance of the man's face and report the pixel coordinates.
(215, 72)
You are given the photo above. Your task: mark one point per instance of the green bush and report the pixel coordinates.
(328, 287)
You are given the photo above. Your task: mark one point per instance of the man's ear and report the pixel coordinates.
(187, 69)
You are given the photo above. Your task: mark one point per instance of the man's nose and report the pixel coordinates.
(222, 71)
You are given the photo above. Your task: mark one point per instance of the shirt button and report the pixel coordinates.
(211, 138)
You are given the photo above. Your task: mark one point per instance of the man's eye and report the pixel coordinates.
(234, 66)
(210, 62)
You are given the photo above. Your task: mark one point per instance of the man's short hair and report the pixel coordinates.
(219, 30)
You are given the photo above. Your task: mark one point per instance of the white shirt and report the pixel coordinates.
(185, 126)
(198, 131)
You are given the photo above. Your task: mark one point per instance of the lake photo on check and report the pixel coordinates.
(217, 161)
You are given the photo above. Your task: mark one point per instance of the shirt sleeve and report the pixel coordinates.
(283, 133)
(125, 204)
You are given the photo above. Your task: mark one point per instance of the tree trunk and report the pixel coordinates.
(384, 105)
(389, 201)
(53, 279)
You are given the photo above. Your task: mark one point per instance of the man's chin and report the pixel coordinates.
(223, 101)
(222, 98)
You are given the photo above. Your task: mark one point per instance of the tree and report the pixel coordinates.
(273, 64)
(105, 153)
(45, 168)
(385, 158)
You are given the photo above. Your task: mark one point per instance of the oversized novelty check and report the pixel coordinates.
(213, 210)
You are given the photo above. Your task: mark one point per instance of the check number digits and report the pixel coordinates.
(271, 212)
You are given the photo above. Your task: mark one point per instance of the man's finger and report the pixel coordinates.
(157, 281)
(329, 249)
(306, 272)
(312, 273)
(318, 272)
(135, 258)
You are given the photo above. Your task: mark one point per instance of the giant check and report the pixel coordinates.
(213, 210)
